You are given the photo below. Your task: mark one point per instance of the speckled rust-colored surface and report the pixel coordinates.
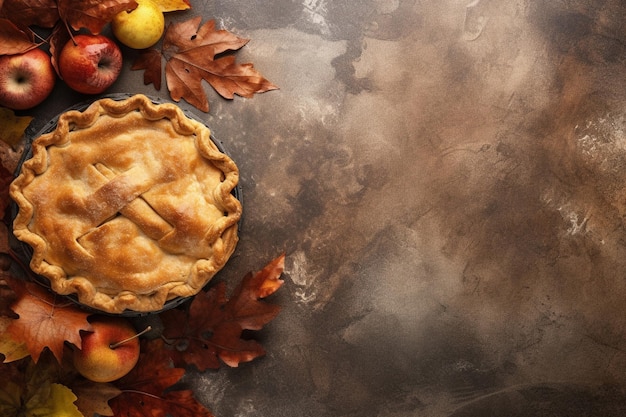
(447, 179)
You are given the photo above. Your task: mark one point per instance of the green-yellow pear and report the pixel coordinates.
(141, 27)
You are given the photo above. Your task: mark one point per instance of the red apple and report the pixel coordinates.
(25, 79)
(89, 64)
(109, 352)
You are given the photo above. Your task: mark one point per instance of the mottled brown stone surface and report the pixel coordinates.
(447, 179)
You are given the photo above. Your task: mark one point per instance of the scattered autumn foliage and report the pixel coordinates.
(192, 52)
(37, 330)
(145, 390)
(19, 18)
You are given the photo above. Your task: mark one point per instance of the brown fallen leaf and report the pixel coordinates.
(92, 15)
(94, 397)
(150, 61)
(13, 40)
(25, 13)
(213, 324)
(146, 390)
(191, 52)
(58, 38)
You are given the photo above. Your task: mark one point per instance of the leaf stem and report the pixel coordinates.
(120, 343)
(147, 394)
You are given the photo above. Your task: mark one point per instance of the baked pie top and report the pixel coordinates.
(127, 204)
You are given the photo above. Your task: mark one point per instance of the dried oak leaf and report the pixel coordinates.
(25, 13)
(191, 53)
(45, 321)
(147, 390)
(92, 15)
(213, 324)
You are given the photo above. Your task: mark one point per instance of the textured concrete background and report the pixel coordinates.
(447, 180)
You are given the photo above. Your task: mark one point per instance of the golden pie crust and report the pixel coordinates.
(127, 204)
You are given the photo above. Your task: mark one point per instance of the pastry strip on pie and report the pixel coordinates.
(127, 204)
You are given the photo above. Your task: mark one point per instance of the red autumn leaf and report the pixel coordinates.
(13, 40)
(252, 313)
(214, 324)
(150, 61)
(24, 13)
(45, 321)
(92, 15)
(191, 53)
(145, 390)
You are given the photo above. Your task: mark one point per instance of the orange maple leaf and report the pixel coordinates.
(214, 324)
(45, 321)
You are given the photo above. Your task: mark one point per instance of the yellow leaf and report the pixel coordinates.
(55, 400)
(12, 126)
(11, 349)
(172, 5)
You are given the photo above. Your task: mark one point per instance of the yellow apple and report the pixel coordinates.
(141, 27)
(108, 352)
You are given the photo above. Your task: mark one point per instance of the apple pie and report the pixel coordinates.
(127, 205)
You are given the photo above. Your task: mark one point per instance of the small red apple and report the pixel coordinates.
(109, 352)
(89, 64)
(25, 79)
